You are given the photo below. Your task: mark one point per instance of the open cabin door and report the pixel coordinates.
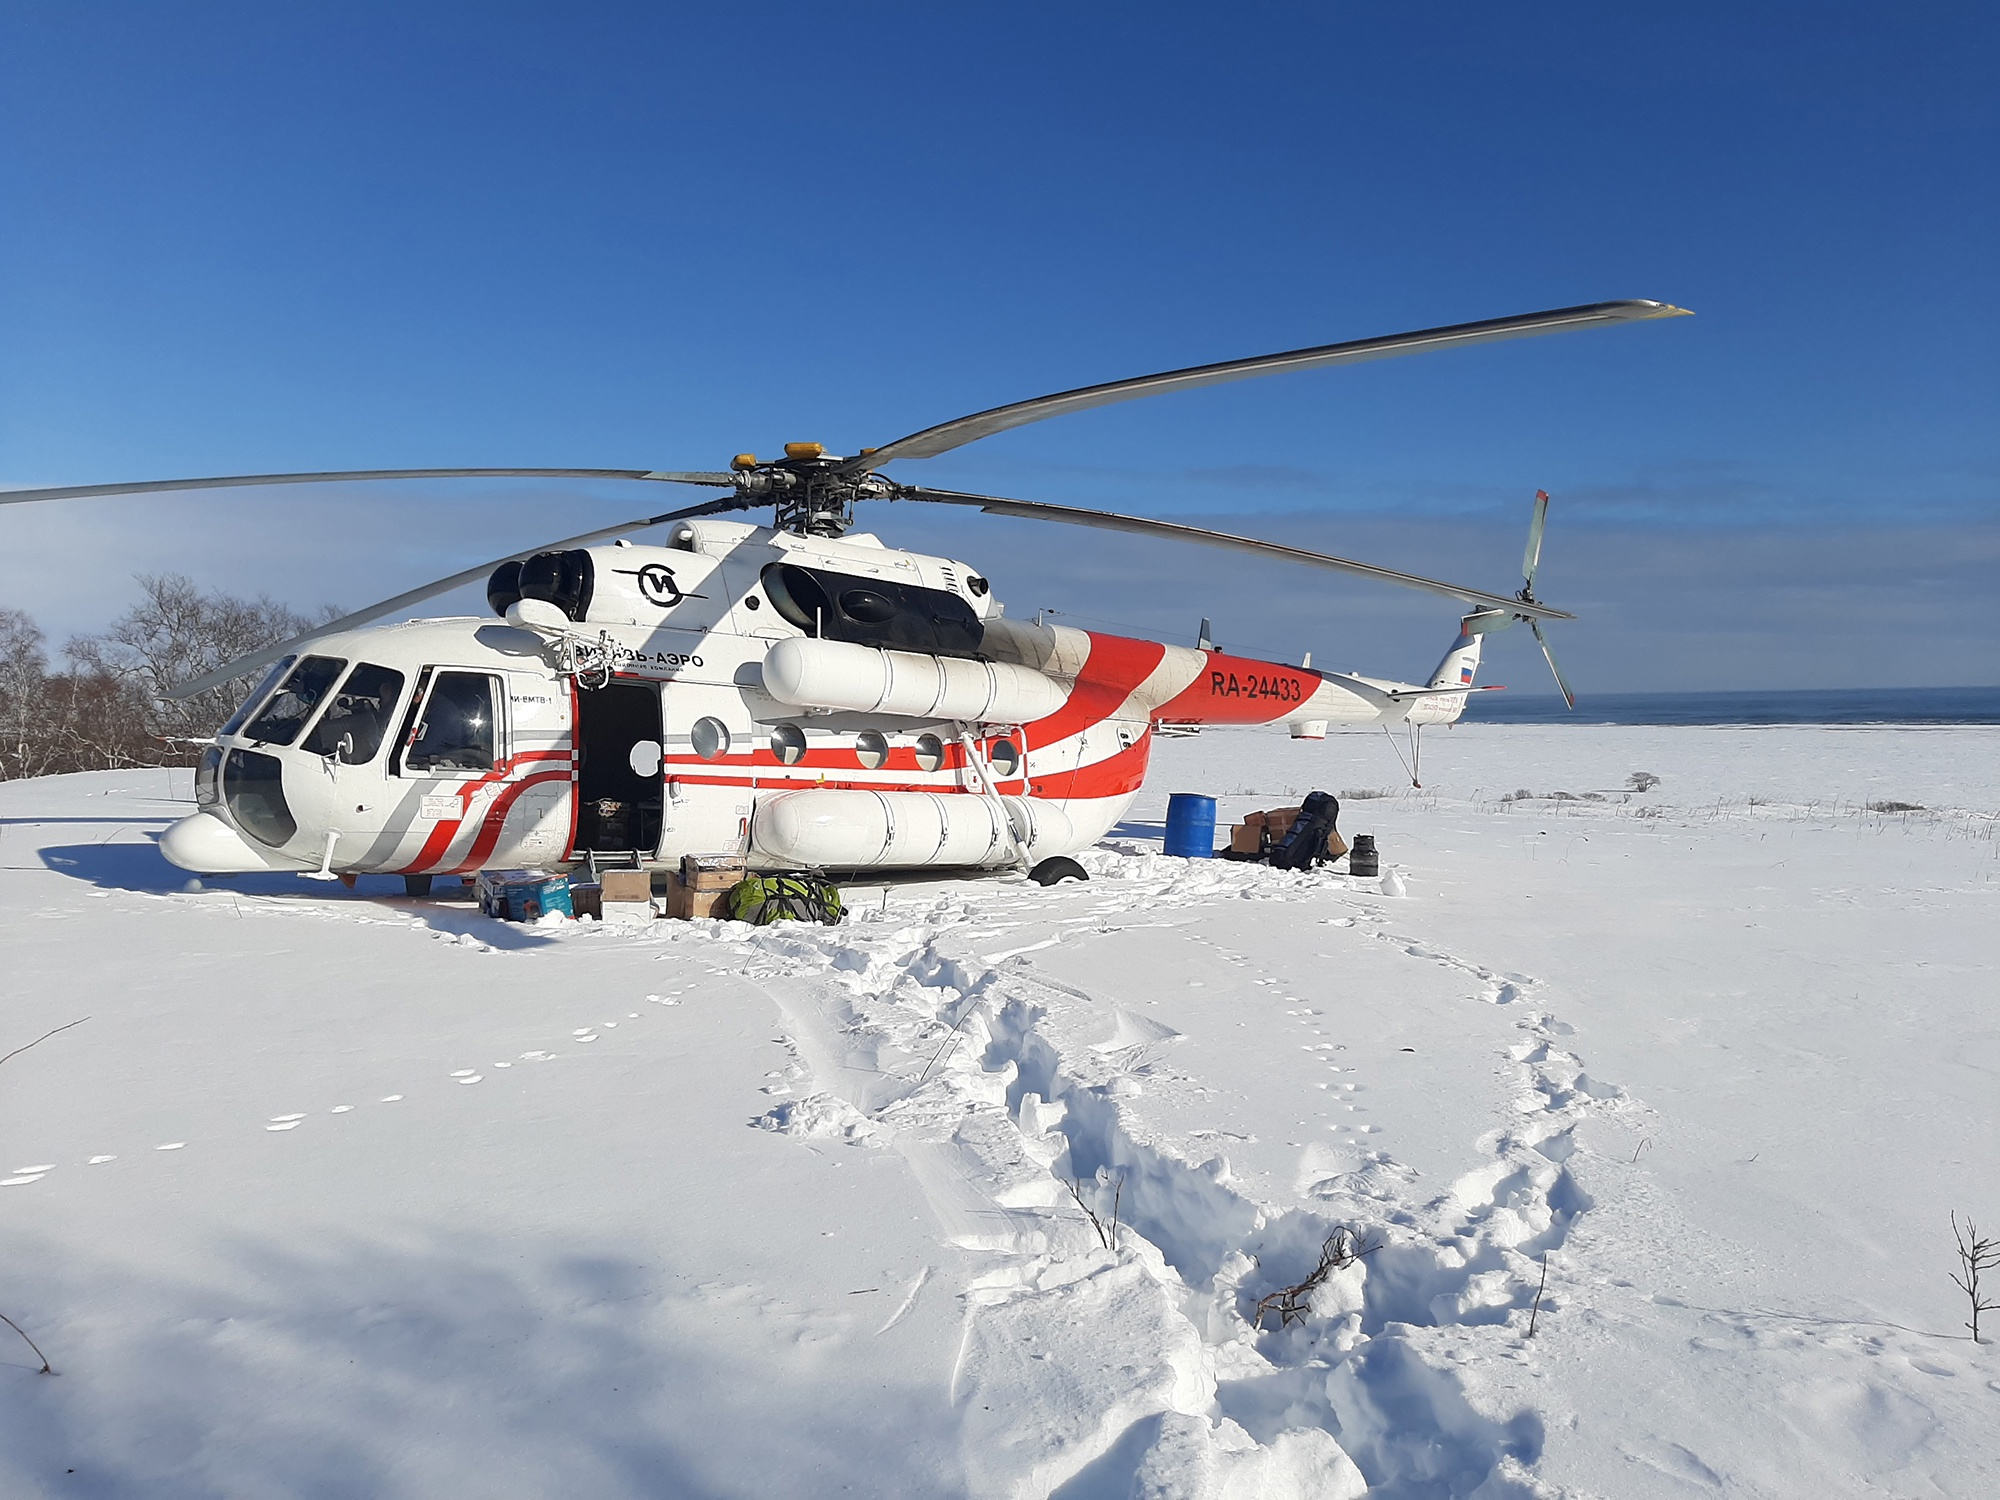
(619, 792)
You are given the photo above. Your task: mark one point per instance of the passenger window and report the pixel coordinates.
(1005, 757)
(456, 730)
(788, 743)
(286, 714)
(355, 722)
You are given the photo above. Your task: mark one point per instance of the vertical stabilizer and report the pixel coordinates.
(1461, 662)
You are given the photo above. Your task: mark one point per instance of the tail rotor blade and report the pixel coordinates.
(1532, 558)
(1569, 698)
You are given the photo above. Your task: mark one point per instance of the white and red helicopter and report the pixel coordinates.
(795, 695)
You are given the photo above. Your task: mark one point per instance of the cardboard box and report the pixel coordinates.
(1279, 821)
(1336, 846)
(626, 885)
(684, 901)
(1247, 838)
(631, 913)
(711, 872)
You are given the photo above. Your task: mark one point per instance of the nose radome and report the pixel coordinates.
(208, 846)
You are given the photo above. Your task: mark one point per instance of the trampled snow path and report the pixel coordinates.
(987, 1073)
(340, 1193)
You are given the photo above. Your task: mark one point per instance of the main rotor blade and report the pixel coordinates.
(228, 481)
(1104, 520)
(258, 658)
(1569, 698)
(948, 435)
(1531, 559)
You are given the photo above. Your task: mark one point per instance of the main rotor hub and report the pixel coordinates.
(809, 490)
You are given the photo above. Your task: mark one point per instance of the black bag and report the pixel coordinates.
(1305, 843)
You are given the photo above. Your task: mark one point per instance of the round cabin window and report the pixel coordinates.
(1005, 757)
(788, 743)
(872, 749)
(709, 738)
(930, 752)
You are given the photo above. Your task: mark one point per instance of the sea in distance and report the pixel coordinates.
(1967, 705)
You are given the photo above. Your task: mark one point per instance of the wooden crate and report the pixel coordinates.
(710, 872)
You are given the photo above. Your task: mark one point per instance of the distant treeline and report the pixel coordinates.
(103, 706)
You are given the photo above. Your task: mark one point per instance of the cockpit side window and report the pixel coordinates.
(248, 706)
(303, 691)
(356, 720)
(457, 729)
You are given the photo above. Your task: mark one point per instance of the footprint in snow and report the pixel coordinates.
(280, 1122)
(466, 1075)
(98, 1161)
(341, 1109)
(170, 1146)
(391, 1098)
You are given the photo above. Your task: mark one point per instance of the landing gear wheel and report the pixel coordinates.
(1056, 869)
(417, 885)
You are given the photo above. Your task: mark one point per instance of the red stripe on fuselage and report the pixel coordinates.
(1113, 669)
(1240, 690)
(496, 818)
(1113, 776)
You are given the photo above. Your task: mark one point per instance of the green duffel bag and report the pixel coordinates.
(763, 899)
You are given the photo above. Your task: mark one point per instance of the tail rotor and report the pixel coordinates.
(1531, 560)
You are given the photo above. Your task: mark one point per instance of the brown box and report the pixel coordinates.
(684, 901)
(710, 872)
(1336, 846)
(1247, 838)
(626, 885)
(1278, 824)
(1252, 820)
(586, 900)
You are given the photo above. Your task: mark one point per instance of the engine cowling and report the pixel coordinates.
(838, 675)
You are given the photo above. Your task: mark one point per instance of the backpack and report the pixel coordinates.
(761, 900)
(1308, 841)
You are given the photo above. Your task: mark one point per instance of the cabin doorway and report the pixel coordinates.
(619, 786)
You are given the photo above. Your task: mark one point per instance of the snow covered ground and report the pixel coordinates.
(341, 1194)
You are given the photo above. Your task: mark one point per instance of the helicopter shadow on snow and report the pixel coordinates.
(141, 868)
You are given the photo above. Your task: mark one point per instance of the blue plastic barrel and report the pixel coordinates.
(1191, 826)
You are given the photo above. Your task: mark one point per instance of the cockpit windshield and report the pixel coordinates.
(264, 685)
(358, 717)
(286, 714)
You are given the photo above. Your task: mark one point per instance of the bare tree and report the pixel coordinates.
(108, 708)
(24, 667)
(177, 633)
(1975, 1254)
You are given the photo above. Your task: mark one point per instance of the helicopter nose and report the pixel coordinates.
(206, 845)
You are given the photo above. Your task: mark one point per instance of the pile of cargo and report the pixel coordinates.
(701, 887)
(1260, 835)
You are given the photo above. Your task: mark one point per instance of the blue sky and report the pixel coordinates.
(242, 237)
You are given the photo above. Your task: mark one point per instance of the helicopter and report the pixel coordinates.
(791, 695)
